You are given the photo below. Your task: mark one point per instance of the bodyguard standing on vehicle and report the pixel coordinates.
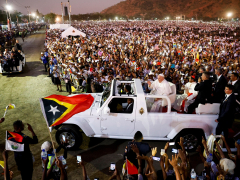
(24, 160)
(204, 88)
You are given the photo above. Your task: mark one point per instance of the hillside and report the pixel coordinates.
(163, 8)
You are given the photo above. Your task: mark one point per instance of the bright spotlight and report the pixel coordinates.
(116, 18)
(229, 14)
(33, 14)
(8, 7)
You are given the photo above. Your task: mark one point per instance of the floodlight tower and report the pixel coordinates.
(69, 9)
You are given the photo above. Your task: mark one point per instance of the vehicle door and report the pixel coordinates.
(120, 120)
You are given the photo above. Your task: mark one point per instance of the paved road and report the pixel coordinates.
(24, 90)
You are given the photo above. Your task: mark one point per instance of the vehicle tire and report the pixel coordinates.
(72, 134)
(192, 139)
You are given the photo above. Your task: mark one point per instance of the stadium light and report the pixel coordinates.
(57, 19)
(116, 18)
(229, 14)
(8, 7)
(33, 14)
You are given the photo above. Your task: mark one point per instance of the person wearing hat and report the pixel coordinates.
(183, 101)
(51, 166)
(158, 87)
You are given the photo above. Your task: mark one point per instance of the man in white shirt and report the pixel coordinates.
(183, 101)
(158, 87)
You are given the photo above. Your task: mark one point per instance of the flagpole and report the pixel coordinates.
(5, 111)
(54, 150)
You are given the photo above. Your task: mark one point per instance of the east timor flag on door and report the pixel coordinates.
(57, 109)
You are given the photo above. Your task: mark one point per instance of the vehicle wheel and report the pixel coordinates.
(72, 135)
(192, 139)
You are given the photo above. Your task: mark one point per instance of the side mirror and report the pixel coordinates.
(106, 110)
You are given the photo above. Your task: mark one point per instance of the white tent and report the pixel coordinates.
(59, 26)
(71, 31)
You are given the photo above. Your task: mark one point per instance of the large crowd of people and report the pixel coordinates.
(200, 58)
(11, 52)
(145, 49)
(216, 164)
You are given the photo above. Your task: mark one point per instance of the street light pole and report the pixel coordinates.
(69, 6)
(27, 7)
(8, 9)
(62, 13)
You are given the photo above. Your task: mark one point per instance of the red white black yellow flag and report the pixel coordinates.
(57, 109)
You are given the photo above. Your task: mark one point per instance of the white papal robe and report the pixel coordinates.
(189, 89)
(158, 88)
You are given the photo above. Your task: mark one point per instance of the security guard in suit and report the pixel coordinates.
(227, 112)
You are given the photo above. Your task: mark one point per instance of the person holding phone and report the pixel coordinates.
(81, 164)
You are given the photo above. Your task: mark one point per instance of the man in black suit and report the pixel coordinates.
(127, 89)
(227, 111)
(204, 88)
(236, 83)
(129, 108)
(218, 93)
(18, 46)
(199, 74)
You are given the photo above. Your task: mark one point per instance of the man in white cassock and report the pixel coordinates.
(158, 87)
(183, 101)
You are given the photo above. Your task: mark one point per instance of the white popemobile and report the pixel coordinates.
(106, 118)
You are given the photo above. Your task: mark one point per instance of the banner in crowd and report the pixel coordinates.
(14, 142)
(57, 109)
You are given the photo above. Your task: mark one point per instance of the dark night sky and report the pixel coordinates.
(46, 6)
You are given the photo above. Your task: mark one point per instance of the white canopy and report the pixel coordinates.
(59, 26)
(71, 31)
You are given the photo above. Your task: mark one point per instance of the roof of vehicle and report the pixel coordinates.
(136, 87)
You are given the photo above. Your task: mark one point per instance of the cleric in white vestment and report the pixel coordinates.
(158, 87)
(183, 101)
